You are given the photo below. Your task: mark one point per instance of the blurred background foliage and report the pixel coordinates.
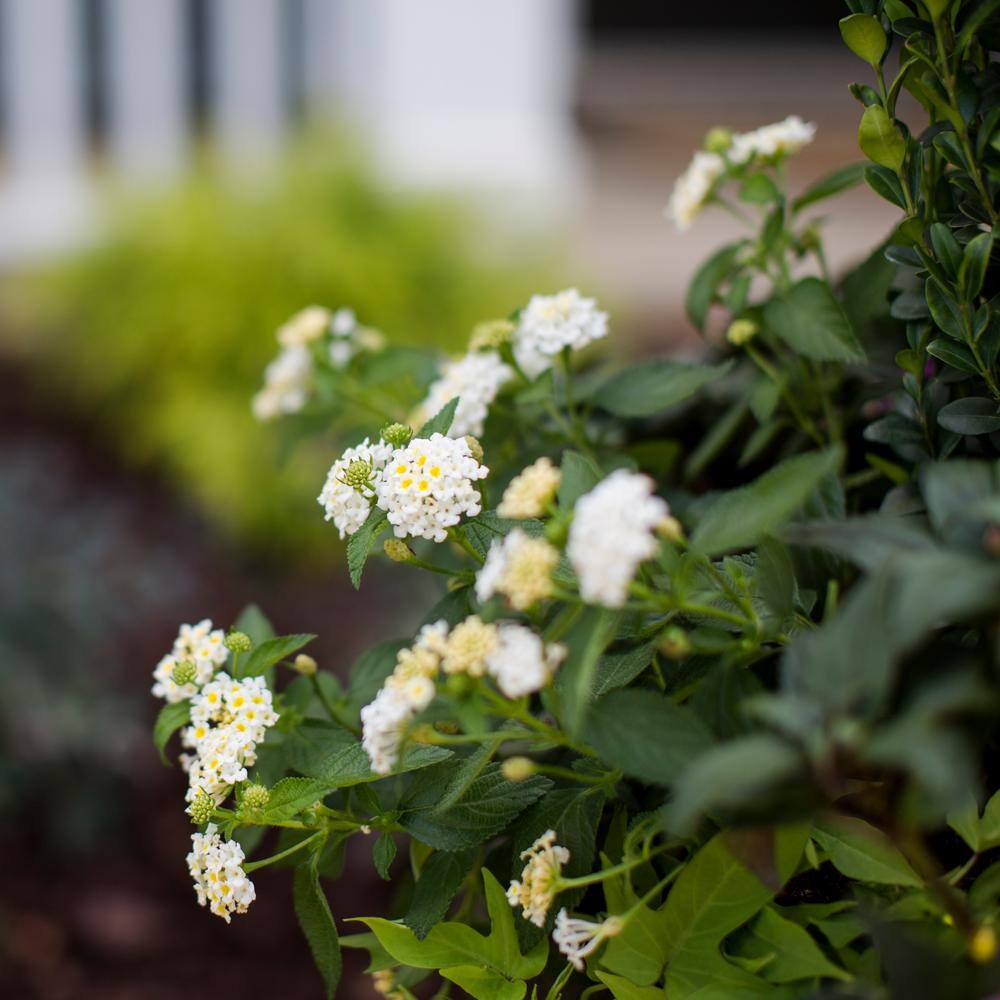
(157, 337)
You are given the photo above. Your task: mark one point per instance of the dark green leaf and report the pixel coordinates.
(812, 322)
(360, 544)
(370, 672)
(944, 309)
(975, 260)
(383, 854)
(707, 280)
(616, 670)
(270, 652)
(865, 541)
(316, 921)
(642, 390)
(440, 423)
(440, 878)
(169, 720)
(586, 641)
(972, 415)
(954, 353)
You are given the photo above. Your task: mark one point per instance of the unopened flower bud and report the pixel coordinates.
(305, 665)
(718, 139)
(491, 335)
(741, 331)
(238, 642)
(670, 530)
(201, 808)
(255, 797)
(397, 550)
(475, 448)
(517, 769)
(358, 474)
(184, 673)
(675, 643)
(398, 435)
(983, 945)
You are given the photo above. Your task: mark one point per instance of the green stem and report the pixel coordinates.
(254, 865)
(602, 876)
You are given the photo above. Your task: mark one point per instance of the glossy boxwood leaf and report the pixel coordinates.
(864, 36)
(741, 517)
(316, 921)
(646, 735)
(860, 851)
(885, 184)
(642, 390)
(975, 260)
(361, 543)
(168, 721)
(944, 309)
(880, 139)
(954, 353)
(812, 322)
(972, 415)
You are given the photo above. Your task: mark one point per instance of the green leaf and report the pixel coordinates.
(774, 578)
(861, 852)
(645, 389)
(489, 804)
(707, 280)
(646, 735)
(795, 954)
(169, 720)
(440, 423)
(616, 670)
(254, 623)
(370, 671)
(865, 541)
(972, 415)
(813, 323)
(449, 944)
(270, 652)
(639, 951)
(586, 641)
(989, 824)
(954, 353)
(944, 309)
(975, 260)
(624, 989)
(759, 189)
(579, 475)
(730, 775)
(830, 185)
(880, 140)
(290, 796)
(965, 822)
(360, 544)
(383, 854)
(864, 36)
(316, 921)
(741, 517)
(485, 984)
(440, 878)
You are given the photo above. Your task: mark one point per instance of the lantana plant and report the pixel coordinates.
(705, 702)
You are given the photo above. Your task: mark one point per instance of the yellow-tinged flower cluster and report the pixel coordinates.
(520, 568)
(531, 491)
(539, 882)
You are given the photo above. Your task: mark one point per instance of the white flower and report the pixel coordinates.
(577, 938)
(198, 644)
(343, 322)
(475, 379)
(216, 865)
(693, 187)
(347, 506)
(427, 486)
(468, 647)
(521, 663)
(520, 568)
(770, 141)
(612, 533)
(550, 323)
(349, 338)
(539, 882)
(530, 491)
(304, 327)
(287, 384)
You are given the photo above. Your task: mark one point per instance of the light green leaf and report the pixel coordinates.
(270, 652)
(485, 984)
(965, 822)
(796, 954)
(880, 140)
(739, 518)
(645, 389)
(440, 423)
(865, 37)
(646, 735)
(360, 544)
(989, 825)
(623, 989)
(316, 921)
(813, 323)
(639, 951)
(861, 852)
(169, 720)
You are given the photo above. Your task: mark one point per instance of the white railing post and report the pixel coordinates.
(248, 113)
(147, 119)
(43, 193)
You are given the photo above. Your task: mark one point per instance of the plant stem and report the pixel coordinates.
(254, 865)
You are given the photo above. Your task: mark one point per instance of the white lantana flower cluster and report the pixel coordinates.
(228, 719)
(694, 187)
(520, 568)
(577, 938)
(216, 865)
(551, 323)
(425, 487)
(475, 379)
(288, 379)
(514, 656)
(613, 531)
(538, 885)
(200, 645)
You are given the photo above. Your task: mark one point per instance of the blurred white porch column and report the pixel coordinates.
(248, 112)
(147, 99)
(453, 93)
(43, 192)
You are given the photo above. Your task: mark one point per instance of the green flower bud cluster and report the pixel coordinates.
(184, 673)
(398, 435)
(201, 808)
(358, 475)
(238, 642)
(397, 550)
(255, 797)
